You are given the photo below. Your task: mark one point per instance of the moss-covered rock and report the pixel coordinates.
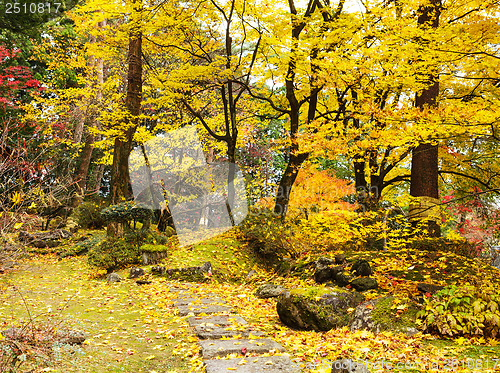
(316, 308)
(364, 283)
(386, 313)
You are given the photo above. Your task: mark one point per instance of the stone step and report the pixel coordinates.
(206, 309)
(263, 364)
(193, 301)
(216, 320)
(218, 332)
(221, 348)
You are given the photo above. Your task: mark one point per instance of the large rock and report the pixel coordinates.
(326, 270)
(136, 272)
(343, 279)
(319, 309)
(113, 277)
(72, 337)
(361, 267)
(44, 239)
(385, 313)
(269, 291)
(364, 283)
(196, 274)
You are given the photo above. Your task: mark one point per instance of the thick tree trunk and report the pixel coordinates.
(424, 167)
(120, 178)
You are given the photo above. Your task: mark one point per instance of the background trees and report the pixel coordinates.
(270, 86)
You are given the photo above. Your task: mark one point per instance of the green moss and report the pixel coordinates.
(385, 314)
(315, 291)
(151, 248)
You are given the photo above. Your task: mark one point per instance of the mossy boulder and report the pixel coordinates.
(386, 313)
(316, 308)
(364, 283)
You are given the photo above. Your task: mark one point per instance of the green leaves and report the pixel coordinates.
(462, 311)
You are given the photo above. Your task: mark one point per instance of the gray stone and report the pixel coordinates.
(361, 267)
(343, 279)
(348, 366)
(157, 270)
(263, 364)
(113, 277)
(136, 272)
(269, 291)
(251, 274)
(325, 274)
(221, 348)
(206, 268)
(44, 239)
(496, 262)
(71, 337)
(364, 283)
(214, 331)
(216, 320)
(318, 309)
(190, 301)
(207, 309)
(340, 259)
(324, 262)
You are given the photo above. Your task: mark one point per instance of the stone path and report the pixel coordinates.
(214, 319)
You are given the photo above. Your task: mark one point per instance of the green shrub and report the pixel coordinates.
(464, 311)
(88, 214)
(268, 234)
(112, 254)
(127, 212)
(84, 246)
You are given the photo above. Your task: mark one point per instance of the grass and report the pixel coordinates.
(134, 328)
(128, 329)
(231, 259)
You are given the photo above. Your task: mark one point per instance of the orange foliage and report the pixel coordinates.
(316, 191)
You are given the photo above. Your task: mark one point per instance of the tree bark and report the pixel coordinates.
(424, 166)
(120, 178)
(80, 175)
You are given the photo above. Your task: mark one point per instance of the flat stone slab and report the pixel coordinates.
(269, 364)
(221, 348)
(193, 301)
(207, 309)
(218, 332)
(216, 320)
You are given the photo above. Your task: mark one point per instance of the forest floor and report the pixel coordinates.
(136, 328)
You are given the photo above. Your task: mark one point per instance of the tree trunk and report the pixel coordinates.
(80, 175)
(286, 183)
(424, 167)
(120, 177)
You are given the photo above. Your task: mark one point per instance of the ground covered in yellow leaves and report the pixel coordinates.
(135, 328)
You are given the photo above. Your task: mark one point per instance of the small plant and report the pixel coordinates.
(88, 214)
(462, 311)
(113, 253)
(84, 246)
